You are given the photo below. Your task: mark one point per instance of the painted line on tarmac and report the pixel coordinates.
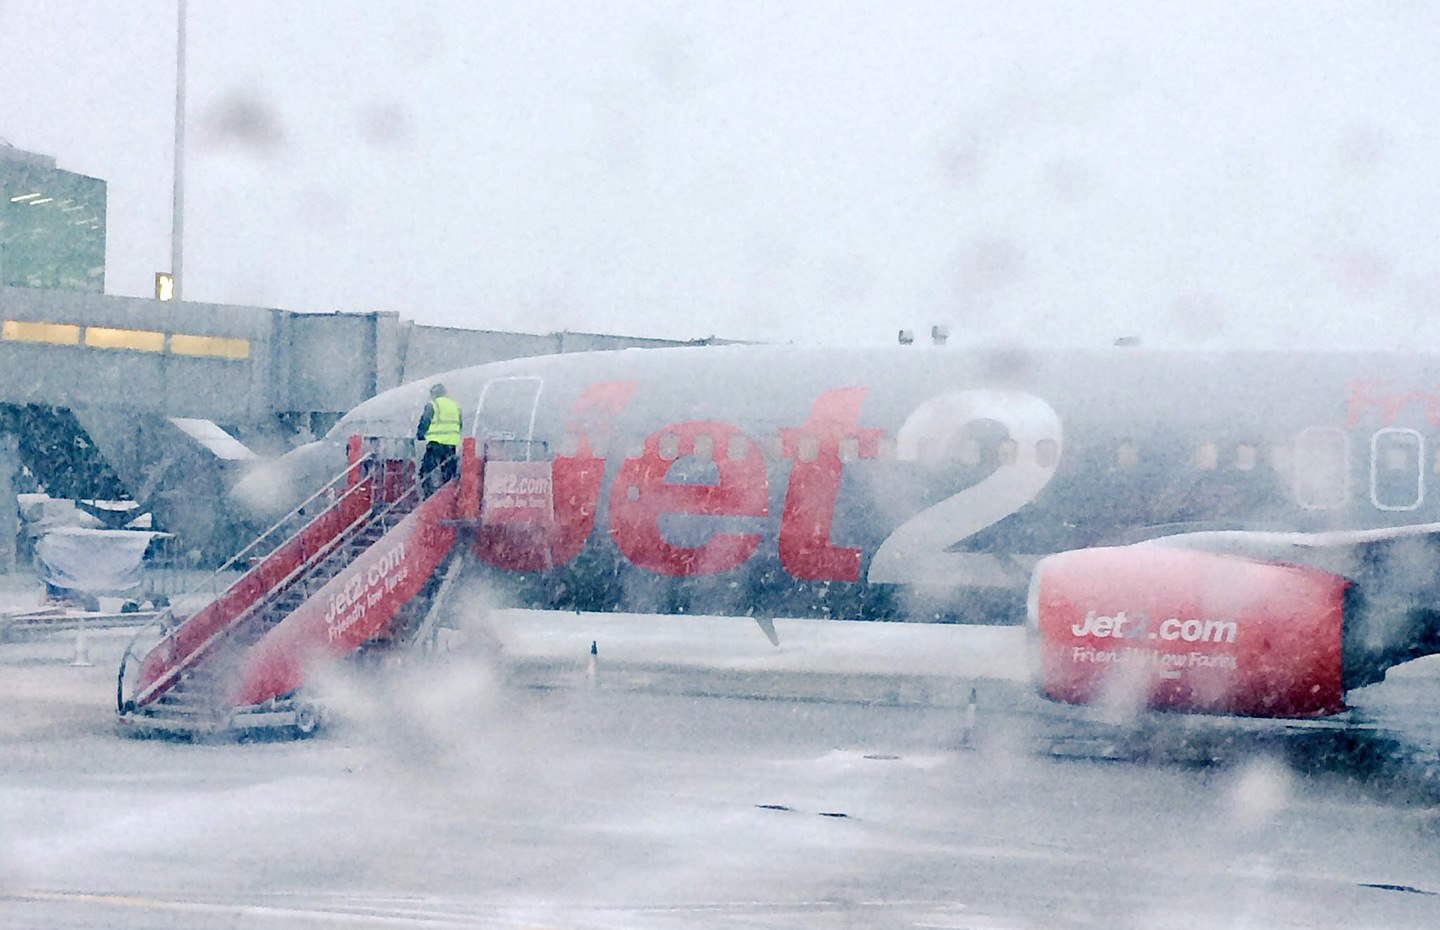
(262, 911)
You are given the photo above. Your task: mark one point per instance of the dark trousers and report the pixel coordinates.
(439, 466)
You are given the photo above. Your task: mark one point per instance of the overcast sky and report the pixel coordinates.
(1262, 173)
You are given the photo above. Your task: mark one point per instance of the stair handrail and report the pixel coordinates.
(260, 604)
(295, 512)
(413, 489)
(167, 619)
(366, 519)
(370, 517)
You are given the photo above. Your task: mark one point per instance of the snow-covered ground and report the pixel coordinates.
(501, 787)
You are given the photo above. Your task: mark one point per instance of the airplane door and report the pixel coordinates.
(1397, 469)
(506, 414)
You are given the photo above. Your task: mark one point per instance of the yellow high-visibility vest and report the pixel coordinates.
(444, 422)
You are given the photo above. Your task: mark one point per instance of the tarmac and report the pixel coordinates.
(506, 783)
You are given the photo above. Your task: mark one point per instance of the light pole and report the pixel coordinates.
(177, 214)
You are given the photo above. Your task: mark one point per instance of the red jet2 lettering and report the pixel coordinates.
(640, 495)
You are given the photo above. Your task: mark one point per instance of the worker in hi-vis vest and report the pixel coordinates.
(440, 428)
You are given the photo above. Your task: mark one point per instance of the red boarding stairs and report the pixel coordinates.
(355, 568)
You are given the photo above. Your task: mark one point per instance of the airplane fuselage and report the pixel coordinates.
(918, 483)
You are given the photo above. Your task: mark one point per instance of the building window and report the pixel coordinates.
(141, 340)
(213, 346)
(56, 334)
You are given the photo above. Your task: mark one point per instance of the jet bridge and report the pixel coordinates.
(153, 399)
(363, 566)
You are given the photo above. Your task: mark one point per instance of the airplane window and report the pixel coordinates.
(704, 447)
(969, 453)
(737, 449)
(669, 446)
(1322, 468)
(1280, 458)
(1127, 455)
(1207, 457)
(809, 449)
(849, 449)
(1007, 452)
(636, 450)
(1245, 457)
(1047, 453)
(770, 446)
(1397, 473)
(886, 449)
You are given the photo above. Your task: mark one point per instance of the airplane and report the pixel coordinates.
(1246, 533)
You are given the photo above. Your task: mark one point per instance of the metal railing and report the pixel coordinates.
(168, 622)
(372, 466)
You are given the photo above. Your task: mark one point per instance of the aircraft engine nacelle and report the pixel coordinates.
(1169, 629)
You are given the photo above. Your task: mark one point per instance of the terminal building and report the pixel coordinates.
(52, 225)
(105, 397)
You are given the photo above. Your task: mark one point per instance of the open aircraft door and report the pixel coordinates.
(506, 413)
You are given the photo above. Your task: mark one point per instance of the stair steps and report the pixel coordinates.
(357, 576)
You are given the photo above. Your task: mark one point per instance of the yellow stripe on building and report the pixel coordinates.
(141, 340)
(58, 334)
(217, 346)
(109, 337)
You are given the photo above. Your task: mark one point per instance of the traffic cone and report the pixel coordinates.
(968, 733)
(82, 649)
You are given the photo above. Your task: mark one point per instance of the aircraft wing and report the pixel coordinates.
(1354, 554)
